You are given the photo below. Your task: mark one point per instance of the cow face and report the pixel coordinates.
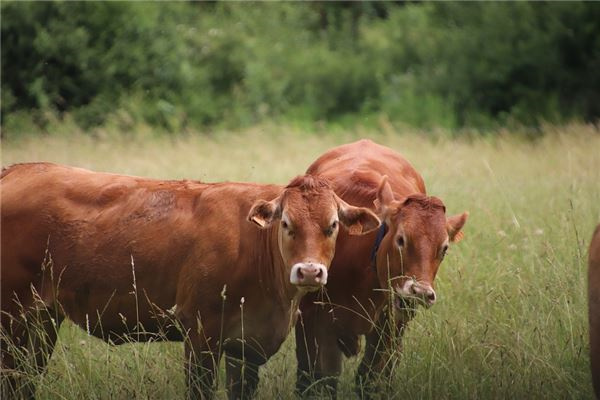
(414, 246)
(307, 216)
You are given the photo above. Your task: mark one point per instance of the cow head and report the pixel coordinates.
(417, 238)
(307, 216)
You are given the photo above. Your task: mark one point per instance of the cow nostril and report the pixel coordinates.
(431, 296)
(319, 273)
(300, 274)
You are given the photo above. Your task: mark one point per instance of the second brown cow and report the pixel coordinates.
(396, 266)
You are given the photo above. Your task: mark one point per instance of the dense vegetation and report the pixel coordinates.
(188, 65)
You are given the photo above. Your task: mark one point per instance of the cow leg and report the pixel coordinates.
(42, 335)
(306, 353)
(13, 345)
(384, 340)
(27, 345)
(200, 369)
(242, 376)
(319, 359)
(371, 363)
(329, 365)
(200, 366)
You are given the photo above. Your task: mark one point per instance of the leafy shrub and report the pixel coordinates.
(191, 65)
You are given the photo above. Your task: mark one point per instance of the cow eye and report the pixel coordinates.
(329, 231)
(400, 241)
(444, 250)
(286, 227)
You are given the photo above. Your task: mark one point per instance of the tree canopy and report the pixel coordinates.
(187, 64)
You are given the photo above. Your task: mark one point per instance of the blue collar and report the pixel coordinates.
(380, 234)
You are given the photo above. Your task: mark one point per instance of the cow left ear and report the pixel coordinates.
(385, 203)
(454, 225)
(263, 212)
(358, 220)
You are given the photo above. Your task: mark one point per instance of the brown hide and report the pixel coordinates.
(594, 308)
(94, 231)
(352, 305)
(122, 255)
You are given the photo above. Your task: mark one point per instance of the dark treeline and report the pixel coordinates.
(191, 65)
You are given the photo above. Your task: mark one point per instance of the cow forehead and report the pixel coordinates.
(301, 206)
(418, 220)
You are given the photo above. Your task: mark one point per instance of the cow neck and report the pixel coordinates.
(380, 235)
(274, 275)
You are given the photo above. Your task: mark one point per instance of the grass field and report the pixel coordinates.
(511, 319)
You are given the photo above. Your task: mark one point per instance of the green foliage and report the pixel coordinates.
(191, 65)
(528, 61)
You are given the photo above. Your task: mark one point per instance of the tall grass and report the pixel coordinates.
(510, 321)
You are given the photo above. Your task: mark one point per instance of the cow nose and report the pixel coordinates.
(430, 296)
(425, 292)
(308, 274)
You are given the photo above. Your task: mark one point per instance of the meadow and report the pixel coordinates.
(511, 317)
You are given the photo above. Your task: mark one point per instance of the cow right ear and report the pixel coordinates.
(358, 220)
(263, 212)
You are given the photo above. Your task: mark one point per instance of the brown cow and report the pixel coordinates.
(594, 308)
(403, 257)
(116, 253)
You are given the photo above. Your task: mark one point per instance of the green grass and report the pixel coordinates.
(511, 317)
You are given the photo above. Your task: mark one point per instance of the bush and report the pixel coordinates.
(190, 65)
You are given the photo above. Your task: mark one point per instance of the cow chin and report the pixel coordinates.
(402, 303)
(409, 303)
(308, 289)
(308, 276)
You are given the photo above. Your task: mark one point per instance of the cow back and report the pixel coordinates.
(355, 170)
(86, 240)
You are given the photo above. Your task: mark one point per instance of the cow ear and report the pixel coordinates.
(385, 196)
(385, 201)
(358, 220)
(263, 212)
(454, 225)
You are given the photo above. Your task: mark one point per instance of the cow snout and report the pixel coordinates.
(308, 274)
(421, 291)
(424, 292)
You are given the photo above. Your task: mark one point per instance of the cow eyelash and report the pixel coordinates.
(400, 241)
(329, 231)
(286, 228)
(444, 251)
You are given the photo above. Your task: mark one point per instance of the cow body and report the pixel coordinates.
(594, 308)
(365, 276)
(95, 232)
(129, 258)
